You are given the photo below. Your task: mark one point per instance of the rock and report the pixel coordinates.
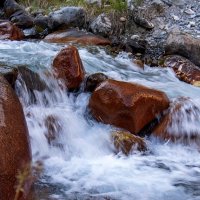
(10, 31)
(15, 152)
(189, 12)
(126, 105)
(185, 45)
(41, 23)
(53, 129)
(68, 67)
(137, 44)
(31, 79)
(101, 25)
(143, 22)
(184, 69)
(67, 17)
(180, 123)
(9, 73)
(122, 19)
(2, 14)
(76, 36)
(126, 142)
(139, 63)
(94, 2)
(17, 14)
(94, 80)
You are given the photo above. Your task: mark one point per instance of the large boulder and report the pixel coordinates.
(101, 25)
(76, 36)
(10, 31)
(180, 123)
(15, 155)
(68, 67)
(17, 14)
(67, 17)
(127, 143)
(126, 105)
(185, 45)
(184, 69)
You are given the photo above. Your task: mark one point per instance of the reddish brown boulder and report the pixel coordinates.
(76, 36)
(10, 31)
(181, 122)
(68, 66)
(15, 153)
(127, 142)
(184, 69)
(126, 105)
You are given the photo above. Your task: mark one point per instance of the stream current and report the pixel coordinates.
(79, 163)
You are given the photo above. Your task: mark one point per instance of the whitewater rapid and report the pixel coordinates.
(80, 163)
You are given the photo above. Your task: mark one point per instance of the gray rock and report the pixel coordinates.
(94, 2)
(17, 14)
(67, 17)
(143, 22)
(185, 45)
(101, 25)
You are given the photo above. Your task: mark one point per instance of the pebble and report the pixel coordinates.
(189, 12)
(175, 17)
(122, 19)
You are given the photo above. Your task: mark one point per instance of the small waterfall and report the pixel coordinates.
(79, 161)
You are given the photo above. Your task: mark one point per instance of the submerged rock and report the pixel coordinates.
(180, 123)
(94, 80)
(53, 129)
(126, 142)
(68, 67)
(76, 36)
(31, 79)
(185, 45)
(184, 69)
(10, 31)
(126, 105)
(15, 155)
(67, 17)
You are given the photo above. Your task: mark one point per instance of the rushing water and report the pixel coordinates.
(79, 162)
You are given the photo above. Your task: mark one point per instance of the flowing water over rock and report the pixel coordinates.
(78, 157)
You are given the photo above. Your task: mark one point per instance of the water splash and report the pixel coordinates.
(78, 157)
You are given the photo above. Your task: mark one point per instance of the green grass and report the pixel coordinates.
(49, 5)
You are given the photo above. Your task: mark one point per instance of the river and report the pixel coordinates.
(80, 163)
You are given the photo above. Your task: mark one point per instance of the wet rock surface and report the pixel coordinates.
(76, 36)
(184, 69)
(69, 68)
(173, 126)
(127, 143)
(9, 73)
(126, 105)
(10, 31)
(94, 80)
(15, 152)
